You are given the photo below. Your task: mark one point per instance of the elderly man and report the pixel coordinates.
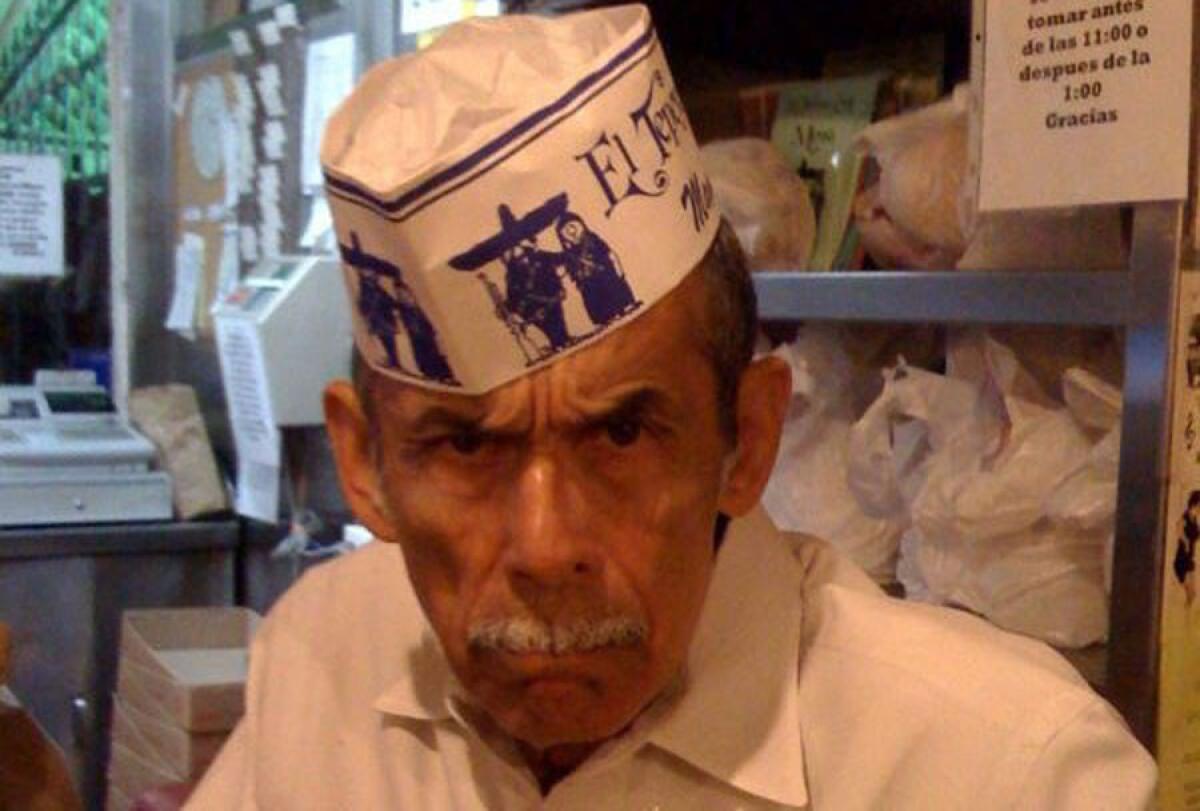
(574, 601)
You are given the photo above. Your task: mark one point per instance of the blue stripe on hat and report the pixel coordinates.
(353, 193)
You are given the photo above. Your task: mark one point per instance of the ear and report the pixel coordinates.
(762, 404)
(352, 439)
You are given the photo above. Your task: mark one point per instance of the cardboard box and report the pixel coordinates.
(126, 733)
(187, 667)
(183, 754)
(129, 775)
(33, 771)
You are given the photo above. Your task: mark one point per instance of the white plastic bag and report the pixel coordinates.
(808, 490)
(910, 212)
(917, 414)
(977, 471)
(767, 204)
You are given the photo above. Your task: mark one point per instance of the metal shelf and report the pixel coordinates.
(1129, 298)
(1141, 300)
(1001, 297)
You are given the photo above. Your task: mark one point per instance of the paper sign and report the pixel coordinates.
(285, 16)
(256, 438)
(273, 140)
(189, 263)
(1179, 660)
(421, 15)
(240, 42)
(272, 102)
(328, 79)
(231, 161)
(249, 244)
(228, 270)
(244, 104)
(268, 32)
(1084, 102)
(31, 215)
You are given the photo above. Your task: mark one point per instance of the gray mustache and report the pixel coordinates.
(530, 635)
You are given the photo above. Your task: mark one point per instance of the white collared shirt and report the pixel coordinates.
(805, 688)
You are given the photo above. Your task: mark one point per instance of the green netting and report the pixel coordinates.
(54, 85)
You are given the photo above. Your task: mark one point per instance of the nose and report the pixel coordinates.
(549, 546)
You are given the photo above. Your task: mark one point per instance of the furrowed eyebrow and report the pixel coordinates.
(630, 404)
(438, 418)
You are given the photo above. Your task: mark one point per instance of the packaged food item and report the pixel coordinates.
(764, 200)
(910, 211)
(916, 208)
(814, 127)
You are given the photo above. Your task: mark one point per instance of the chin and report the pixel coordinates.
(558, 713)
(545, 733)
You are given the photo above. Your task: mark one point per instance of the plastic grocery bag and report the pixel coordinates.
(918, 208)
(767, 204)
(808, 489)
(993, 486)
(910, 212)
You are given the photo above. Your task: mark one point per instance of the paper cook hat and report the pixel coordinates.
(515, 191)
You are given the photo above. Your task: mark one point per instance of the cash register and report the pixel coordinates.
(68, 457)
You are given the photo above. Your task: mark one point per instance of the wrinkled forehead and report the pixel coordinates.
(655, 353)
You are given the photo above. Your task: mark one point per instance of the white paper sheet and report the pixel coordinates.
(248, 242)
(1085, 103)
(286, 17)
(328, 78)
(243, 97)
(189, 264)
(273, 140)
(228, 270)
(232, 161)
(268, 32)
(240, 42)
(270, 240)
(268, 83)
(421, 15)
(31, 216)
(247, 397)
(272, 102)
(320, 223)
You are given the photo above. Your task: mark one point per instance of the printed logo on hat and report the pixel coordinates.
(535, 276)
(519, 224)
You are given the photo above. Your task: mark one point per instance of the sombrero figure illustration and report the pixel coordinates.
(384, 310)
(533, 276)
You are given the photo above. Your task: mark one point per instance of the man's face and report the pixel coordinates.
(559, 531)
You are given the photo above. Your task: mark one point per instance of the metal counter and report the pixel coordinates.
(62, 592)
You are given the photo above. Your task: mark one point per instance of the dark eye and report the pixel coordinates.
(623, 430)
(466, 442)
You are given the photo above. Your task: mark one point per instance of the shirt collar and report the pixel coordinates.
(736, 716)
(424, 682)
